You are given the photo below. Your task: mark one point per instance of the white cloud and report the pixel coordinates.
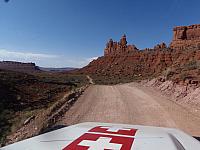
(38, 58)
(81, 62)
(13, 54)
(86, 61)
(91, 59)
(44, 60)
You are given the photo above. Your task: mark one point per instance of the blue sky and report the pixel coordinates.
(62, 33)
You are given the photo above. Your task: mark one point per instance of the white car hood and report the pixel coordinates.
(100, 136)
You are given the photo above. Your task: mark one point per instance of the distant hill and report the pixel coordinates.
(18, 66)
(57, 69)
(29, 67)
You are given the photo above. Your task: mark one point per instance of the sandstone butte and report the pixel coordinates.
(18, 66)
(125, 61)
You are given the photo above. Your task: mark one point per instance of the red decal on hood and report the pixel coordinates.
(104, 138)
(101, 142)
(114, 130)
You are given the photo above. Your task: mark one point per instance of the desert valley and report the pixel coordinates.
(157, 86)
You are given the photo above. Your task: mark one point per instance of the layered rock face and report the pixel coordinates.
(119, 48)
(186, 37)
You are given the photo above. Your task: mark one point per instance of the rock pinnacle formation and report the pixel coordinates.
(118, 48)
(124, 63)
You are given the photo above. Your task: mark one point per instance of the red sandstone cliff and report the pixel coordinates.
(186, 37)
(122, 62)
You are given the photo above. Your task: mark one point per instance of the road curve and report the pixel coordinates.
(130, 104)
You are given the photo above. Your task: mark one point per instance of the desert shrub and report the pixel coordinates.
(191, 65)
(198, 46)
(169, 72)
(184, 76)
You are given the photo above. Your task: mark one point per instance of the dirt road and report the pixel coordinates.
(130, 104)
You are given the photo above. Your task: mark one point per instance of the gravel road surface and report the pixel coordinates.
(131, 104)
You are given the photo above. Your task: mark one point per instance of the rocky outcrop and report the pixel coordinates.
(160, 46)
(122, 62)
(18, 66)
(186, 37)
(119, 48)
(126, 62)
(137, 65)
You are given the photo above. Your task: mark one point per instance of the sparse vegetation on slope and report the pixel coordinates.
(23, 95)
(173, 64)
